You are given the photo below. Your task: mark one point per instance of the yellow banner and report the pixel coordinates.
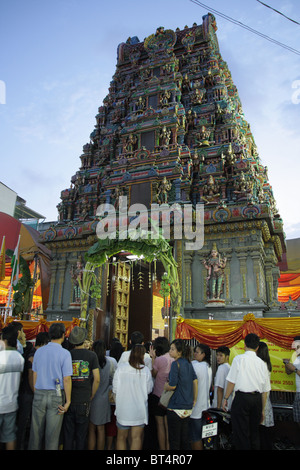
(280, 381)
(157, 319)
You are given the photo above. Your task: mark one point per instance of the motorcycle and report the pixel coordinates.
(216, 429)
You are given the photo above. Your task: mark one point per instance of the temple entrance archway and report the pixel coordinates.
(127, 310)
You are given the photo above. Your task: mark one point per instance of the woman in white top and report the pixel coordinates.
(203, 371)
(132, 384)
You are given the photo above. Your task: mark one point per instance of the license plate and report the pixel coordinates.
(209, 430)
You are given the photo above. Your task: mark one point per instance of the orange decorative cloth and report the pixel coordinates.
(215, 333)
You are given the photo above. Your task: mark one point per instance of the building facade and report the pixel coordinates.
(171, 130)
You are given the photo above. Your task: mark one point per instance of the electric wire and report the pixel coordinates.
(239, 23)
(279, 12)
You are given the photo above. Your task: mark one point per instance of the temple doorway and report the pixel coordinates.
(133, 301)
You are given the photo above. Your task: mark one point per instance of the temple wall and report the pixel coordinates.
(249, 282)
(62, 301)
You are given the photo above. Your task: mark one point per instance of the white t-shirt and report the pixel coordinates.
(11, 367)
(249, 373)
(296, 363)
(132, 387)
(125, 358)
(220, 381)
(204, 375)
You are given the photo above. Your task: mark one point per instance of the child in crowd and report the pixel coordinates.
(222, 354)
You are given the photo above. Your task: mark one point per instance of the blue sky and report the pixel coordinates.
(57, 60)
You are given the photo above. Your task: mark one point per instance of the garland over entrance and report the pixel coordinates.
(151, 250)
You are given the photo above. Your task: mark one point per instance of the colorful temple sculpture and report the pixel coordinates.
(170, 131)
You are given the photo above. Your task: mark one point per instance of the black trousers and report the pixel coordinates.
(75, 426)
(246, 413)
(178, 429)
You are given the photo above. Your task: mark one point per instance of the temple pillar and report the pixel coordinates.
(188, 260)
(54, 266)
(242, 257)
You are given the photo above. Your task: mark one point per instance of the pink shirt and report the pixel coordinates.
(162, 364)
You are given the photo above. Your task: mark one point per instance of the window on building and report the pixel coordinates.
(148, 140)
(152, 101)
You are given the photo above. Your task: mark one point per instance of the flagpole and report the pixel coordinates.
(3, 241)
(2, 259)
(2, 262)
(11, 283)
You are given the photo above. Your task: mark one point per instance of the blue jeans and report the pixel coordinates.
(45, 420)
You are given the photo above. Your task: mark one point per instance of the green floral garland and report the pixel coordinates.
(151, 249)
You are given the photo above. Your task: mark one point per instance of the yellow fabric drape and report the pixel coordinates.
(215, 333)
(284, 293)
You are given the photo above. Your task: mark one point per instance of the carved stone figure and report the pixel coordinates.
(165, 98)
(215, 266)
(164, 137)
(202, 137)
(131, 143)
(76, 275)
(211, 191)
(242, 187)
(162, 191)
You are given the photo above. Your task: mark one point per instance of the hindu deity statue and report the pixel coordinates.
(215, 266)
(162, 191)
(165, 98)
(242, 187)
(131, 143)
(211, 193)
(76, 275)
(202, 137)
(164, 137)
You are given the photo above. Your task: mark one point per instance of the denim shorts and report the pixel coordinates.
(8, 427)
(196, 429)
(121, 426)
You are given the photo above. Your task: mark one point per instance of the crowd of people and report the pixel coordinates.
(69, 394)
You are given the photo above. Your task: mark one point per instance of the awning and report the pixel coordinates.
(289, 281)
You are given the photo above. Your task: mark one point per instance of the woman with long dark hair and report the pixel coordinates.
(100, 405)
(268, 421)
(132, 384)
(183, 380)
(116, 350)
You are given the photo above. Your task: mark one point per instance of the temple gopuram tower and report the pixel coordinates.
(172, 129)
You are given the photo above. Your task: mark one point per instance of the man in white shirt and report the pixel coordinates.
(136, 338)
(249, 379)
(11, 368)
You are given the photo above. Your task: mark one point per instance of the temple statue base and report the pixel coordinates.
(75, 305)
(215, 303)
